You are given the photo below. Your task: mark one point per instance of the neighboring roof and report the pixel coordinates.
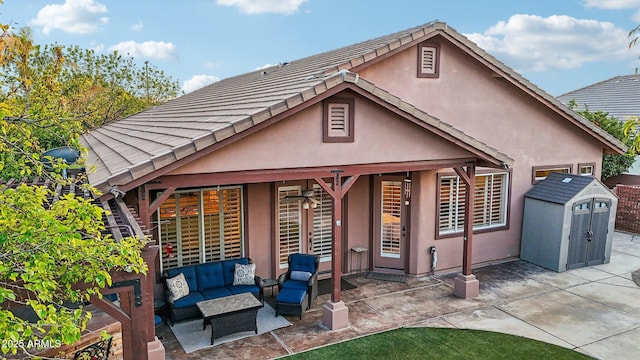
(618, 96)
(150, 141)
(559, 188)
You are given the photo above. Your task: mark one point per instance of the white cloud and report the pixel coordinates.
(534, 43)
(636, 16)
(148, 49)
(74, 16)
(197, 82)
(285, 7)
(137, 27)
(612, 4)
(264, 66)
(96, 47)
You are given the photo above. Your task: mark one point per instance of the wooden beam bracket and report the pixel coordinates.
(137, 290)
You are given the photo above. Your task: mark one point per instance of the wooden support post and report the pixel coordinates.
(466, 285)
(335, 314)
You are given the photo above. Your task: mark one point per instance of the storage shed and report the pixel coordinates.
(568, 222)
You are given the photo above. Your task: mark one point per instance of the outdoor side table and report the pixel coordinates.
(358, 250)
(269, 283)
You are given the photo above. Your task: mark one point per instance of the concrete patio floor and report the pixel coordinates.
(594, 310)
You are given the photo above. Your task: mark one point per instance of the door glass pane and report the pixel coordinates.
(168, 231)
(390, 221)
(289, 224)
(232, 222)
(211, 218)
(322, 217)
(188, 228)
(203, 225)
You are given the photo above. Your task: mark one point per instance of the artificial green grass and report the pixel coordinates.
(441, 344)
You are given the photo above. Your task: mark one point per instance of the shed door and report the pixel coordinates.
(588, 237)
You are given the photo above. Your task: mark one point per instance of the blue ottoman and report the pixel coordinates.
(292, 301)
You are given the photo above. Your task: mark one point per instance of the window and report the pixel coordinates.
(586, 169)
(322, 220)
(337, 125)
(541, 172)
(391, 212)
(490, 203)
(201, 225)
(428, 60)
(289, 224)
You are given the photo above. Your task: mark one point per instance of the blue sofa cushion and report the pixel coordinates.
(188, 300)
(291, 296)
(303, 262)
(214, 293)
(239, 289)
(229, 268)
(209, 275)
(295, 285)
(189, 275)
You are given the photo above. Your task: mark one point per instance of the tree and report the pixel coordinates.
(631, 130)
(50, 94)
(53, 254)
(612, 165)
(633, 35)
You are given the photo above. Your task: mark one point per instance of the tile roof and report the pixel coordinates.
(618, 96)
(139, 145)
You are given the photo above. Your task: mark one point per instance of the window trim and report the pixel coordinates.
(436, 70)
(583, 165)
(535, 169)
(326, 137)
(502, 227)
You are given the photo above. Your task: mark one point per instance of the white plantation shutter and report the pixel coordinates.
(490, 202)
(391, 211)
(322, 218)
(232, 224)
(188, 229)
(289, 224)
(168, 231)
(203, 225)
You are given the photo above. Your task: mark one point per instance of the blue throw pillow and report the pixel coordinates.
(300, 275)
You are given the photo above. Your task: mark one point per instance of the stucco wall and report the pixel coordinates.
(468, 96)
(297, 142)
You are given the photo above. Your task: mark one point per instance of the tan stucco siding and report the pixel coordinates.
(468, 96)
(380, 136)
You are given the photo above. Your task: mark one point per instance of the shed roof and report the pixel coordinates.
(149, 141)
(559, 188)
(617, 96)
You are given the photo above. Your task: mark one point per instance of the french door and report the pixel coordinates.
(201, 225)
(390, 224)
(303, 228)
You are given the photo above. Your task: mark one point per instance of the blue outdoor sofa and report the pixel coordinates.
(207, 281)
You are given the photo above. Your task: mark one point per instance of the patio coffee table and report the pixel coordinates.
(230, 314)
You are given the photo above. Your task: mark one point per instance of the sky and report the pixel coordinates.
(559, 45)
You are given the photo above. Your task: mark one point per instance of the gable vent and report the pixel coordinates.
(428, 60)
(338, 120)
